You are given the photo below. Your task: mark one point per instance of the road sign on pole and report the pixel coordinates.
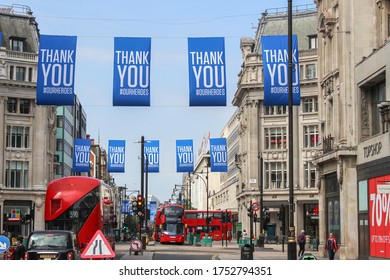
(98, 248)
(4, 243)
(255, 206)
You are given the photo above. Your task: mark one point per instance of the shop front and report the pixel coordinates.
(373, 175)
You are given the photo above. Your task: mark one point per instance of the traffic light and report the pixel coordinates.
(140, 206)
(134, 206)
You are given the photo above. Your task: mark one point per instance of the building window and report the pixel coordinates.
(275, 138)
(68, 149)
(18, 137)
(24, 106)
(16, 174)
(11, 105)
(311, 71)
(20, 73)
(60, 121)
(311, 135)
(30, 74)
(275, 110)
(310, 175)
(17, 44)
(378, 92)
(388, 25)
(312, 42)
(310, 104)
(68, 127)
(275, 175)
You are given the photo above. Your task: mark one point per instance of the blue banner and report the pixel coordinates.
(218, 155)
(207, 71)
(1, 39)
(184, 156)
(152, 206)
(116, 156)
(56, 68)
(131, 72)
(152, 155)
(81, 156)
(125, 209)
(275, 64)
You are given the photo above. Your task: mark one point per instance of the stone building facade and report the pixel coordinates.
(263, 132)
(27, 140)
(353, 94)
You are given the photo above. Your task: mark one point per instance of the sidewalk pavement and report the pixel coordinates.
(233, 252)
(268, 252)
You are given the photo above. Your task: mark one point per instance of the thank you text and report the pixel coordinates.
(116, 156)
(275, 62)
(81, 157)
(184, 156)
(218, 155)
(152, 155)
(131, 85)
(207, 71)
(56, 68)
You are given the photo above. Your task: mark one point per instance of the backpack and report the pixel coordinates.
(301, 238)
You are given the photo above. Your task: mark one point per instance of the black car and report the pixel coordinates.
(52, 245)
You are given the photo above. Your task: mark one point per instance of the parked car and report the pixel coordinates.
(52, 245)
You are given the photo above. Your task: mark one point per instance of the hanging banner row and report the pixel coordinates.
(132, 64)
(184, 155)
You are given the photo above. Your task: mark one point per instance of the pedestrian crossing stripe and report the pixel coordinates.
(98, 248)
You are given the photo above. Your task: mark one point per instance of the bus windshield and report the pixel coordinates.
(172, 229)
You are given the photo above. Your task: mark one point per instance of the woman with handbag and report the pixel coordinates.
(331, 246)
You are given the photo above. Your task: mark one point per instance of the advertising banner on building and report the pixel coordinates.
(152, 155)
(218, 155)
(116, 156)
(131, 86)
(184, 156)
(152, 206)
(275, 64)
(379, 216)
(207, 71)
(56, 69)
(81, 156)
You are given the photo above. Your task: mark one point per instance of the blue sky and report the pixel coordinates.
(168, 24)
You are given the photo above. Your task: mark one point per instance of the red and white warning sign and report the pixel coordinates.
(136, 245)
(98, 248)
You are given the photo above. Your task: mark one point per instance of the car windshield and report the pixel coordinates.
(48, 241)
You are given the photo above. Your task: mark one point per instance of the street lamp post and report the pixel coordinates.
(185, 188)
(292, 245)
(261, 235)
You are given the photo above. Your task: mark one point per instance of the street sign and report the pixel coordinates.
(255, 206)
(136, 245)
(4, 243)
(98, 248)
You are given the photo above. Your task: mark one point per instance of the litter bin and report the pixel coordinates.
(260, 241)
(246, 252)
(308, 256)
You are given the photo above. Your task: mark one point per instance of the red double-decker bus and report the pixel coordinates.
(80, 204)
(220, 224)
(169, 226)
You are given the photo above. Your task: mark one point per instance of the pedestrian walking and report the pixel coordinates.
(331, 246)
(302, 243)
(244, 234)
(20, 250)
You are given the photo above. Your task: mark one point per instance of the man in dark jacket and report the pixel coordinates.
(20, 250)
(301, 242)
